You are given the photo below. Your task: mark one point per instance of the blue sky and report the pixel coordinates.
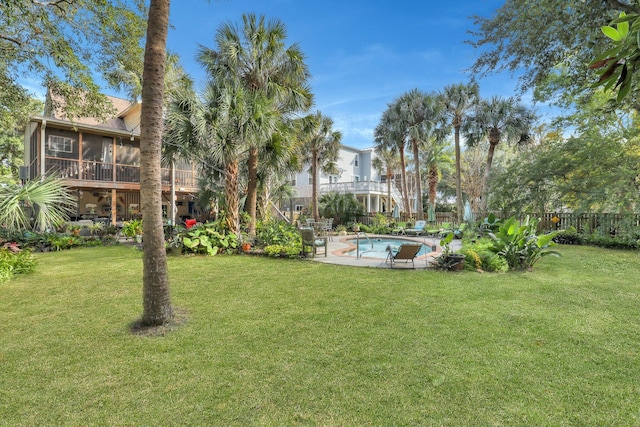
(362, 54)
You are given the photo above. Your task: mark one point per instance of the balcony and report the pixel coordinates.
(356, 187)
(105, 172)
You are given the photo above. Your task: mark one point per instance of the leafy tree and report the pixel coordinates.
(68, 43)
(548, 43)
(321, 148)
(459, 100)
(495, 120)
(157, 309)
(343, 208)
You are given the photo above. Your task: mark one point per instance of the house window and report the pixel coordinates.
(355, 162)
(310, 180)
(298, 208)
(292, 182)
(60, 144)
(356, 178)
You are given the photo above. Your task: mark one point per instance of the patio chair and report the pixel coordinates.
(417, 229)
(311, 240)
(327, 228)
(406, 252)
(399, 229)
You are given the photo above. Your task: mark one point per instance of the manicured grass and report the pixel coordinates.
(279, 342)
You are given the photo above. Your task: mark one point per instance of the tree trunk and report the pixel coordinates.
(252, 188)
(459, 207)
(405, 193)
(389, 175)
(416, 159)
(432, 178)
(314, 185)
(231, 195)
(157, 308)
(485, 185)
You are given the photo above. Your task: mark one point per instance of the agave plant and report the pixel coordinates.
(37, 206)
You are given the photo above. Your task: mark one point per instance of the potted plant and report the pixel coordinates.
(246, 242)
(449, 260)
(342, 230)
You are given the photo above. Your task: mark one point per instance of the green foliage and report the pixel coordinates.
(60, 242)
(209, 239)
(132, 228)
(480, 257)
(343, 208)
(379, 225)
(14, 261)
(275, 232)
(519, 244)
(280, 251)
(39, 205)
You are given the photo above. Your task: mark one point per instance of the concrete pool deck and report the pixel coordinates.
(341, 244)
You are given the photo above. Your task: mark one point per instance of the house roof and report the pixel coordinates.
(55, 109)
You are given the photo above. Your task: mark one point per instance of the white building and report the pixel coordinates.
(356, 175)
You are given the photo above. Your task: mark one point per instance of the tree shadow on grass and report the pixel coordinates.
(180, 318)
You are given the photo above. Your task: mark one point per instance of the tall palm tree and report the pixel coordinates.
(420, 114)
(257, 56)
(386, 162)
(390, 131)
(157, 309)
(459, 100)
(495, 120)
(321, 148)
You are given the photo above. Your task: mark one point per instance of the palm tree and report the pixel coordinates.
(493, 121)
(270, 72)
(48, 200)
(420, 114)
(321, 148)
(459, 99)
(157, 308)
(386, 162)
(391, 132)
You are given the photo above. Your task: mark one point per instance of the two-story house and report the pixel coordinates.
(356, 175)
(100, 161)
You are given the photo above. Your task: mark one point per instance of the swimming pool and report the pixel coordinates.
(376, 247)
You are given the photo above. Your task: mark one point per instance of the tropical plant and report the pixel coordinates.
(386, 162)
(519, 244)
(209, 239)
(343, 208)
(390, 132)
(321, 147)
(132, 228)
(39, 205)
(420, 114)
(275, 232)
(459, 99)
(495, 120)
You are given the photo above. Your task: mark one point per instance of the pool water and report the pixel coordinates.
(377, 247)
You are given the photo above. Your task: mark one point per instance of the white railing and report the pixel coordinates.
(354, 187)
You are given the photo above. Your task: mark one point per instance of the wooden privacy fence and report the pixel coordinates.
(606, 224)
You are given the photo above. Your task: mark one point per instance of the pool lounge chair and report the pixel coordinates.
(406, 252)
(417, 229)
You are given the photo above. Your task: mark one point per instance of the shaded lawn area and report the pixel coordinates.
(280, 342)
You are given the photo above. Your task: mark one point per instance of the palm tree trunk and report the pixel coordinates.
(157, 308)
(416, 158)
(314, 186)
(487, 173)
(252, 187)
(389, 175)
(459, 207)
(405, 193)
(433, 184)
(231, 194)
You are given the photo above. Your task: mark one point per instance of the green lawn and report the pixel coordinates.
(280, 342)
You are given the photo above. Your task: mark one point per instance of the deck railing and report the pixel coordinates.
(100, 171)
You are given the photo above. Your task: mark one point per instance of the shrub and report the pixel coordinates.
(14, 261)
(274, 232)
(519, 244)
(280, 251)
(209, 239)
(479, 257)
